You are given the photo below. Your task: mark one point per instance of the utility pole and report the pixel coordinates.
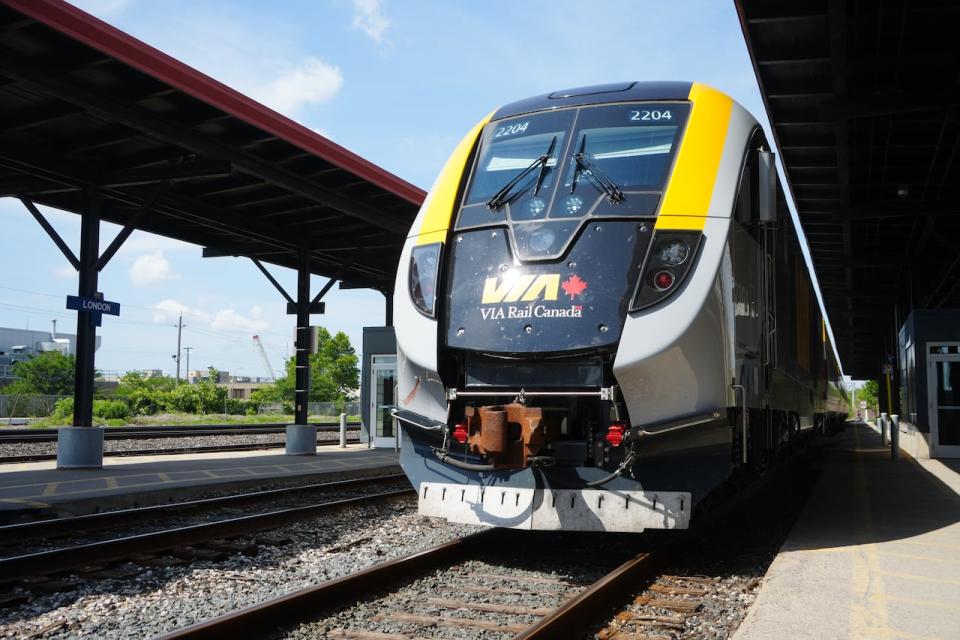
(187, 349)
(179, 334)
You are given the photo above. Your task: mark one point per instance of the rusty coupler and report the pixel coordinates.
(507, 434)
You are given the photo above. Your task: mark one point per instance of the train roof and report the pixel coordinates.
(597, 94)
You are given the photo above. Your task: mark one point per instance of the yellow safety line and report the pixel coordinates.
(50, 489)
(690, 189)
(868, 614)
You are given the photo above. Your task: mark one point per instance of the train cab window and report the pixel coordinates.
(515, 173)
(570, 164)
(630, 146)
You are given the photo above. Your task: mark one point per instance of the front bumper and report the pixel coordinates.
(555, 509)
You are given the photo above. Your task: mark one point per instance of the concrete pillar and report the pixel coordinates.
(301, 440)
(80, 448)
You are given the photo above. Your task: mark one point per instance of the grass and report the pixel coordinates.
(181, 419)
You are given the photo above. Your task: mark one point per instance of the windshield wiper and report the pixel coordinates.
(504, 196)
(597, 175)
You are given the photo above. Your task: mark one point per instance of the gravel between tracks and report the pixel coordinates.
(161, 599)
(50, 448)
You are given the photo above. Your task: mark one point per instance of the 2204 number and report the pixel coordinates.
(655, 114)
(511, 129)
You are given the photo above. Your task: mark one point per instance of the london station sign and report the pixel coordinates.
(96, 307)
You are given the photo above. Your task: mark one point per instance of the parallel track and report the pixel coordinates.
(16, 568)
(251, 446)
(178, 431)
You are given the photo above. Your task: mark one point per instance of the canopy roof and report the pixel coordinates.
(83, 104)
(863, 99)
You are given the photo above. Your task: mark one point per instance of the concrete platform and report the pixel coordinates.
(39, 487)
(875, 553)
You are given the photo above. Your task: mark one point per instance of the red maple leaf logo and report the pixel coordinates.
(574, 286)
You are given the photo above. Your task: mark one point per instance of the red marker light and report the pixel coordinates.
(460, 432)
(663, 280)
(615, 434)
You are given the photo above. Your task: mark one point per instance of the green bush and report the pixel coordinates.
(63, 410)
(111, 409)
(236, 407)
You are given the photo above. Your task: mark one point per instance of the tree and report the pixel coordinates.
(202, 397)
(49, 373)
(145, 396)
(333, 370)
(869, 393)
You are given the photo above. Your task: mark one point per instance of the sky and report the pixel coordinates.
(398, 83)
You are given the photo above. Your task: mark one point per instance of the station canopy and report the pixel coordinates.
(182, 155)
(863, 100)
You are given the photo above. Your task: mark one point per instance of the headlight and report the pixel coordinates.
(673, 252)
(424, 267)
(666, 266)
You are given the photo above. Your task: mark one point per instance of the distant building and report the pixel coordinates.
(242, 390)
(21, 344)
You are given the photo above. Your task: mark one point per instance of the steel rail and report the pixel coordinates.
(260, 619)
(176, 431)
(584, 608)
(247, 446)
(40, 529)
(61, 560)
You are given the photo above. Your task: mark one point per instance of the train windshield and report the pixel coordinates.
(599, 160)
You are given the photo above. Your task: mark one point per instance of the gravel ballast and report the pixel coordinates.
(159, 599)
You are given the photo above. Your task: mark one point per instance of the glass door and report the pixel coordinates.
(944, 400)
(383, 384)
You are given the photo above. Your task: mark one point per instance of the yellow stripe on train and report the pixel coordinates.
(690, 189)
(442, 199)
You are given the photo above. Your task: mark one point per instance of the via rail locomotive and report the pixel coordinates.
(602, 311)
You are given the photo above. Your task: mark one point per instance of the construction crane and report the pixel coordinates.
(263, 356)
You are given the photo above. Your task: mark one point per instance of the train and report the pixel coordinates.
(602, 313)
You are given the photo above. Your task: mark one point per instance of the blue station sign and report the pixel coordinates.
(94, 306)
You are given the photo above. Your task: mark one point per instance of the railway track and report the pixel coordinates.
(31, 438)
(471, 586)
(196, 540)
(252, 446)
(179, 431)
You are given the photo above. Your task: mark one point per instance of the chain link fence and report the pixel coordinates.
(316, 410)
(27, 406)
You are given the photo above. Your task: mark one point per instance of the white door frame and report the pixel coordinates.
(936, 449)
(382, 442)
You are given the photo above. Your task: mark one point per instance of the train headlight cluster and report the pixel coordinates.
(666, 265)
(672, 252)
(424, 269)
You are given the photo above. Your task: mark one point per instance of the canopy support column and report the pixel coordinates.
(81, 446)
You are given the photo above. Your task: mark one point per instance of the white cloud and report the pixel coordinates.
(368, 17)
(314, 82)
(65, 271)
(151, 268)
(227, 319)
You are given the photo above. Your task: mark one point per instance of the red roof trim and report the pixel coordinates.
(93, 32)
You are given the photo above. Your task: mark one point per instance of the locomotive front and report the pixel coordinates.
(536, 247)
